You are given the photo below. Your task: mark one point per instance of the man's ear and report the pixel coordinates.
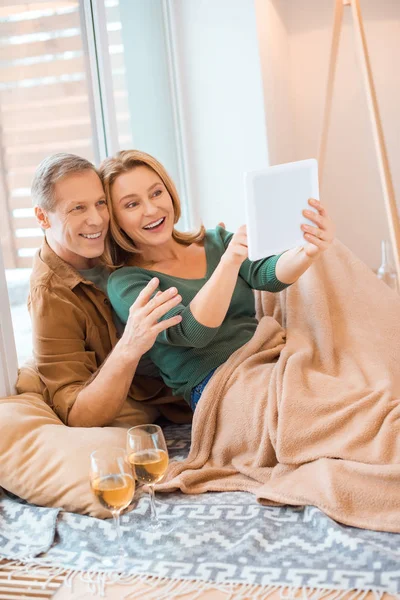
(41, 217)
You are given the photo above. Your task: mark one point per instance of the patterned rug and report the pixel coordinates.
(223, 538)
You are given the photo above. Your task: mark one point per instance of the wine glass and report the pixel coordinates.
(112, 482)
(148, 455)
(386, 271)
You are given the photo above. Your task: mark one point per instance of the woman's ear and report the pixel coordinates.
(41, 217)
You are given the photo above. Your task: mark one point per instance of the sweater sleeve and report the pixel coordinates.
(125, 285)
(259, 274)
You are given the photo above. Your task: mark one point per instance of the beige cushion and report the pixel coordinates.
(47, 463)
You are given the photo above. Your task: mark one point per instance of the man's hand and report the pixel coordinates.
(99, 402)
(320, 237)
(143, 326)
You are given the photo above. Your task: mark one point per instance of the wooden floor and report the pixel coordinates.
(117, 593)
(24, 587)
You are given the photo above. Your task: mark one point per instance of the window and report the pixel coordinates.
(45, 107)
(86, 77)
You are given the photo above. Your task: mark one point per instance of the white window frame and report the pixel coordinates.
(190, 217)
(95, 40)
(8, 353)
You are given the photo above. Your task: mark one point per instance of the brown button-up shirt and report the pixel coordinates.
(73, 333)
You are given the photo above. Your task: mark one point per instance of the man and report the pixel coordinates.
(86, 369)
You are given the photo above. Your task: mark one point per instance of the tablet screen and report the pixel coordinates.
(275, 198)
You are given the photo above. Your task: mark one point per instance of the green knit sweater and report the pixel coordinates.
(187, 352)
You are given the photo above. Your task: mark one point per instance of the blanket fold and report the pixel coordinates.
(26, 531)
(308, 411)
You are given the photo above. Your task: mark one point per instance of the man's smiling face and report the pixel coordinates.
(77, 227)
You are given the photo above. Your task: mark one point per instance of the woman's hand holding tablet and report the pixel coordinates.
(321, 233)
(278, 202)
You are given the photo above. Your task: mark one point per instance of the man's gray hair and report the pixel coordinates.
(52, 169)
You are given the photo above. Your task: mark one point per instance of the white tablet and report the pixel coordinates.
(275, 198)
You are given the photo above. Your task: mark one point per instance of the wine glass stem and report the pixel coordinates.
(117, 524)
(153, 509)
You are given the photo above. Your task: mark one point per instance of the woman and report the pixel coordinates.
(210, 270)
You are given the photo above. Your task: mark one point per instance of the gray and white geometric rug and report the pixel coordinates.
(218, 537)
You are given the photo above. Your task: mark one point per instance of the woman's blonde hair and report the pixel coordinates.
(119, 246)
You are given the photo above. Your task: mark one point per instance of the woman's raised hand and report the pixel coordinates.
(143, 326)
(237, 250)
(320, 236)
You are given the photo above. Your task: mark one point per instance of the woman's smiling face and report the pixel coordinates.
(143, 207)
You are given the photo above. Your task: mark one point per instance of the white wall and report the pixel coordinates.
(300, 41)
(223, 108)
(275, 67)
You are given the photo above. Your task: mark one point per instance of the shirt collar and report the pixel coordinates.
(70, 276)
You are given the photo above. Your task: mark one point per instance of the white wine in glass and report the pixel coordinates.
(148, 455)
(112, 482)
(115, 492)
(149, 465)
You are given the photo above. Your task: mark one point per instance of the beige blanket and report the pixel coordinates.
(313, 417)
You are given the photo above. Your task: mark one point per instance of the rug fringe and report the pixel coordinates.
(163, 588)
